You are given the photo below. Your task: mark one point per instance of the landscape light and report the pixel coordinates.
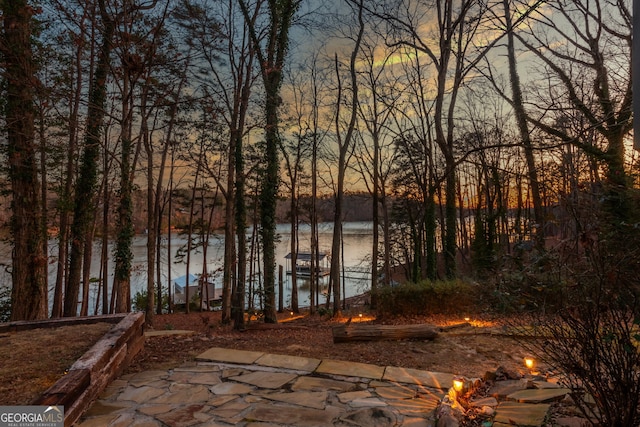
(458, 384)
(529, 362)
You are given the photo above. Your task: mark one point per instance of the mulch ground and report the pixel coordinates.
(33, 360)
(469, 351)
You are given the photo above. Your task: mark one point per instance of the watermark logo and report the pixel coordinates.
(31, 416)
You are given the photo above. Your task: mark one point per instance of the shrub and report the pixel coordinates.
(427, 297)
(594, 338)
(140, 300)
(5, 304)
(537, 286)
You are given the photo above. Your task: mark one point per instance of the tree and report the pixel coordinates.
(271, 58)
(84, 209)
(417, 171)
(68, 82)
(345, 147)
(294, 152)
(521, 119)
(220, 38)
(452, 50)
(29, 261)
(588, 76)
(155, 60)
(375, 161)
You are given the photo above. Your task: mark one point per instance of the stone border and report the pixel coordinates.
(102, 363)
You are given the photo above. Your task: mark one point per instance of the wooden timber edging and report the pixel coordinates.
(95, 370)
(356, 332)
(25, 325)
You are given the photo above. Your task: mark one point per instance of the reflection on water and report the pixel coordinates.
(357, 260)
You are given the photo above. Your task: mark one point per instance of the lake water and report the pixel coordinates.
(358, 239)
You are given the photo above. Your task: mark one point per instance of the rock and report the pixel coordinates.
(489, 376)
(571, 422)
(504, 373)
(371, 417)
(448, 421)
(485, 401)
(503, 388)
(487, 411)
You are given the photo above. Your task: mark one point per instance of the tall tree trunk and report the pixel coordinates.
(271, 60)
(86, 269)
(229, 267)
(84, 211)
(241, 214)
(375, 202)
(523, 128)
(43, 201)
(269, 194)
(29, 262)
(170, 288)
(124, 234)
(192, 206)
(315, 250)
(344, 148)
(386, 235)
(294, 246)
(67, 196)
(153, 210)
(104, 256)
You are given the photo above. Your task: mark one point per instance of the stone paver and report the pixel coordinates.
(309, 399)
(414, 376)
(289, 362)
(241, 357)
(270, 380)
(350, 369)
(315, 383)
(539, 395)
(294, 415)
(252, 389)
(521, 414)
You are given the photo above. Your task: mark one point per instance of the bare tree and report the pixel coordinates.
(70, 89)
(295, 150)
(453, 53)
(375, 158)
(521, 119)
(271, 58)
(154, 58)
(84, 211)
(344, 134)
(588, 81)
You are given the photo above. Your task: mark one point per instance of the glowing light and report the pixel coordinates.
(529, 362)
(458, 384)
(466, 319)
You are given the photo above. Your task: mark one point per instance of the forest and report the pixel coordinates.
(491, 140)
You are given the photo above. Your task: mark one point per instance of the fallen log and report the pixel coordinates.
(355, 332)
